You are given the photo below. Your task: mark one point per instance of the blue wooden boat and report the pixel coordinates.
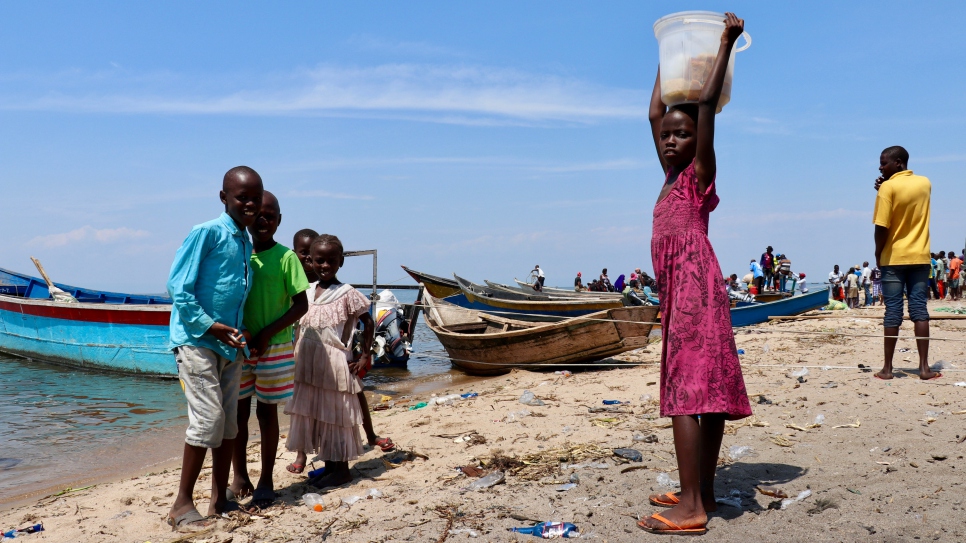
(125, 338)
(756, 313)
(18, 284)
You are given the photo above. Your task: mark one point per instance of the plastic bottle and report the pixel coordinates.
(316, 472)
(313, 501)
(469, 395)
(550, 530)
(492, 479)
(529, 398)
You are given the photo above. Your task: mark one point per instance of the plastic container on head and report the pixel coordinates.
(688, 43)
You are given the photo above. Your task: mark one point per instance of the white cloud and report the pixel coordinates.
(327, 194)
(89, 234)
(460, 94)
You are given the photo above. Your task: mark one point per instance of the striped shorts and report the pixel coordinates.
(270, 377)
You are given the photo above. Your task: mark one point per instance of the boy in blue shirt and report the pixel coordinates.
(277, 300)
(208, 284)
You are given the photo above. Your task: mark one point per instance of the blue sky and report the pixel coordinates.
(478, 138)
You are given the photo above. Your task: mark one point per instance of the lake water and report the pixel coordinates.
(59, 424)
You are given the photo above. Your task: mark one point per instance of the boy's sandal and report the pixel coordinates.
(385, 443)
(665, 500)
(672, 528)
(295, 468)
(190, 521)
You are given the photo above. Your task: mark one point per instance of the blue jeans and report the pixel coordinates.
(912, 279)
(868, 294)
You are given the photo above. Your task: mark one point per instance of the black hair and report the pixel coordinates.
(304, 233)
(327, 239)
(897, 153)
(238, 171)
(691, 110)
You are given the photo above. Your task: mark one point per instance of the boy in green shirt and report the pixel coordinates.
(277, 300)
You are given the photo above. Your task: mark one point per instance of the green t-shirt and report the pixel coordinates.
(277, 276)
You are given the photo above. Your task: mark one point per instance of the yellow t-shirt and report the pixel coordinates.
(902, 206)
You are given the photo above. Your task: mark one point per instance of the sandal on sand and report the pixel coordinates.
(665, 500)
(190, 521)
(263, 498)
(672, 528)
(295, 468)
(385, 443)
(937, 376)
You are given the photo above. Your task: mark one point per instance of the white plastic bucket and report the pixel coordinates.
(688, 43)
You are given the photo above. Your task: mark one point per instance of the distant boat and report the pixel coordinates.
(473, 297)
(125, 338)
(756, 313)
(484, 344)
(439, 287)
(552, 290)
(18, 284)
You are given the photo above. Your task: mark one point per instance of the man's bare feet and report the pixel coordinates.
(884, 375)
(929, 374)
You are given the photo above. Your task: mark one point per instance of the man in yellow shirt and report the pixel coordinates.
(901, 221)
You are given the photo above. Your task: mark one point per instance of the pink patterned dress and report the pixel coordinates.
(325, 411)
(700, 372)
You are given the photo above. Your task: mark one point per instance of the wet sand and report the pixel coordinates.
(885, 465)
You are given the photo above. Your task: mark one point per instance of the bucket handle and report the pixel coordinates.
(744, 35)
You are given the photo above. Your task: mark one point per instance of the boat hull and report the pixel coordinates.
(438, 287)
(759, 313)
(129, 339)
(522, 345)
(32, 287)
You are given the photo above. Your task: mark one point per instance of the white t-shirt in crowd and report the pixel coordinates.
(866, 276)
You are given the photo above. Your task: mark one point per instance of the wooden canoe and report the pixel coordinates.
(756, 313)
(532, 310)
(553, 290)
(439, 287)
(484, 344)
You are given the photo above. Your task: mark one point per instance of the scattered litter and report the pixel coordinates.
(737, 452)
(614, 402)
(566, 430)
(772, 491)
(469, 395)
(801, 496)
(122, 514)
(741, 351)
(492, 479)
(420, 405)
(28, 530)
(468, 531)
(856, 425)
(529, 398)
(942, 365)
(864, 368)
(960, 384)
(314, 501)
(566, 487)
(517, 415)
(645, 398)
(830, 384)
(762, 400)
(641, 438)
(854, 491)
(633, 455)
(903, 350)
(549, 530)
(449, 399)
(799, 373)
(665, 481)
(565, 373)
(819, 420)
(471, 471)
(372, 494)
(733, 499)
(574, 478)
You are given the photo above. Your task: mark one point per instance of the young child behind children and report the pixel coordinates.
(209, 282)
(277, 300)
(325, 409)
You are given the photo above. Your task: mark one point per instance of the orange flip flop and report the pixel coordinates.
(938, 375)
(665, 500)
(672, 528)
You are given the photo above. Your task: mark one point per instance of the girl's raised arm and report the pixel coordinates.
(705, 166)
(656, 113)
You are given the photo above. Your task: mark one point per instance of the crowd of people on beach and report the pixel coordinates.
(638, 289)
(773, 272)
(252, 318)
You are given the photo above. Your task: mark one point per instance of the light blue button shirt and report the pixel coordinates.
(209, 282)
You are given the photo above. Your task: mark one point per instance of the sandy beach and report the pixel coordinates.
(885, 464)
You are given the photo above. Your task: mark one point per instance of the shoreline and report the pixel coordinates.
(885, 463)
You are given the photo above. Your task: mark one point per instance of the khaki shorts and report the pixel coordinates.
(210, 382)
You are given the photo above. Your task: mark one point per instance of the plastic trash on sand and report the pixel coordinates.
(372, 494)
(665, 481)
(565, 373)
(801, 496)
(314, 501)
(449, 399)
(942, 365)
(733, 499)
(529, 398)
(819, 420)
(960, 384)
(741, 351)
(492, 479)
(737, 452)
(420, 405)
(28, 530)
(799, 373)
(468, 531)
(517, 415)
(566, 487)
(549, 530)
(469, 395)
(633, 455)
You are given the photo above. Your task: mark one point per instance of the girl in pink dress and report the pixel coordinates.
(701, 382)
(324, 408)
